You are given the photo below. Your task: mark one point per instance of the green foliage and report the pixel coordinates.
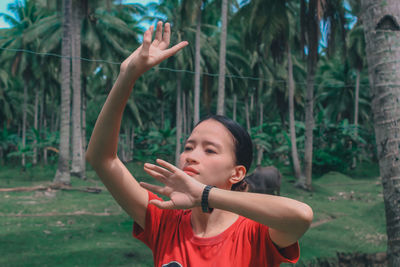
(155, 143)
(336, 145)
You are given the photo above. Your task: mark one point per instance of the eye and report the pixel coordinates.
(210, 151)
(187, 148)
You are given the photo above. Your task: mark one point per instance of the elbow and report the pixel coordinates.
(306, 216)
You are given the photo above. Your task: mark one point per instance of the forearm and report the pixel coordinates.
(103, 143)
(280, 213)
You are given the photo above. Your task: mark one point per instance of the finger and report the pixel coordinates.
(153, 188)
(167, 165)
(166, 36)
(173, 50)
(147, 40)
(160, 170)
(158, 37)
(162, 204)
(156, 175)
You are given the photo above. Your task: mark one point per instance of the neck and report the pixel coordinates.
(211, 224)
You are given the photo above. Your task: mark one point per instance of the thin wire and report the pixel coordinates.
(165, 68)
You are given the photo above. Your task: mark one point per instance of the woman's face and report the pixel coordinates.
(208, 154)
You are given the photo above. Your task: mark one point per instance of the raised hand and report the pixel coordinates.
(151, 53)
(184, 191)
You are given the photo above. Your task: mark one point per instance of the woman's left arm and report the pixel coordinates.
(287, 219)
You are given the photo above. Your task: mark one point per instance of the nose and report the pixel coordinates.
(190, 157)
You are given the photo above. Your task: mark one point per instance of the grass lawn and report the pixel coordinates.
(72, 228)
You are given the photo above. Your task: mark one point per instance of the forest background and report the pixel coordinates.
(294, 73)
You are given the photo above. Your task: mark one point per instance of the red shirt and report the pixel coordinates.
(169, 234)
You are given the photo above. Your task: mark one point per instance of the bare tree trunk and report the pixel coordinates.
(312, 57)
(260, 149)
(188, 114)
(382, 35)
(222, 59)
(45, 149)
(291, 88)
(178, 120)
(84, 143)
(62, 174)
(197, 67)
(35, 126)
(234, 106)
(78, 162)
(184, 114)
(247, 113)
(24, 113)
(356, 97)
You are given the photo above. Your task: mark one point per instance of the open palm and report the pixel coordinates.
(151, 53)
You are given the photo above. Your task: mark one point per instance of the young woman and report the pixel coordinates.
(205, 222)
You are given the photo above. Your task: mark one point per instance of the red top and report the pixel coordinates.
(169, 234)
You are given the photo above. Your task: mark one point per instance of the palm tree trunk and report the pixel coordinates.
(313, 41)
(184, 114)
(62, 174)
(382, 36)
(260, 149)
(247, 113)
(291, 88)
(197, 68)
(78, 163)
(234, 106)
(356, 97)
(178, 120)
(24, 113)
(35, 126)
(222, 59)
(84, 143)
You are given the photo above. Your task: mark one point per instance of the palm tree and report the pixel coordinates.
(356, 47)
(23, 64)
(63, 173)
(310, 13)
(222, 58)
(197, 67)
(382, 35)
(78, 162)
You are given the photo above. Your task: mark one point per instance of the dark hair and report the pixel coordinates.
(242, 144)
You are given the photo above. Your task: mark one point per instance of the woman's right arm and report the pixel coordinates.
(102, 148)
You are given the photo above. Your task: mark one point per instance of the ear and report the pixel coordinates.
(238, 174)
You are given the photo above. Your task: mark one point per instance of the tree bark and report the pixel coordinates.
(63, 174)
(24, 114)
(356, 97)
(312, 44)
(178, 120)
(247, 113)
(222, 59)
(234, 106)
(260, 149)
(291, 89)
(197, 67)
(78, 162)
(184, 114)
(382, 35)
(35, 126)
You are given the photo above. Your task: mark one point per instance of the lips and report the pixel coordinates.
(190, 171)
